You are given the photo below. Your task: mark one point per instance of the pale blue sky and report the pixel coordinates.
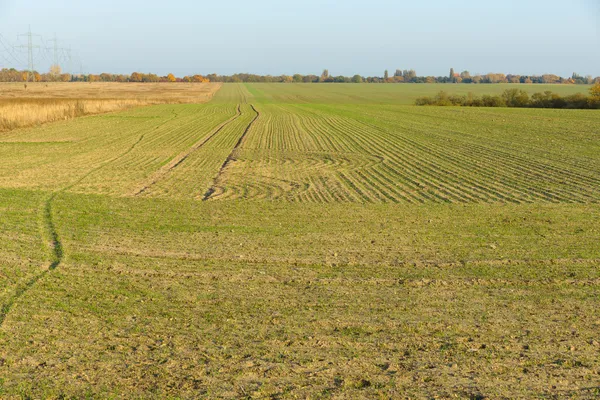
(347, 37)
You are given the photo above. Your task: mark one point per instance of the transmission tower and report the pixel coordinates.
(30, 46)
(68, 51)
(56, 49)
(55, 40)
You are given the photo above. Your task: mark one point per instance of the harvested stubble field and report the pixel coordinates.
(38, 103)
(295, 241)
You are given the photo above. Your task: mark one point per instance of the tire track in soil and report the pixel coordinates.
(178, 160)
(230, 157)
(49, 233)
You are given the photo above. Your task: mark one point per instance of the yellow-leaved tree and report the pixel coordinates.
(595, 91)
(171, 78)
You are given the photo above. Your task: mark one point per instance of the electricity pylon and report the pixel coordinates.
(30, 46)
(56, 49)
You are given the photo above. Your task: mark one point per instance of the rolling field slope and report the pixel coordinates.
(295, 241)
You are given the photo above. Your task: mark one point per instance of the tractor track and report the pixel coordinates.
(230, 157)
(178, 160)
(49, 232)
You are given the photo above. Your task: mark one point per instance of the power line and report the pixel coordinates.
(56, 50)
(9, 52)
(68, 51)
(47, 51)
(30, 46)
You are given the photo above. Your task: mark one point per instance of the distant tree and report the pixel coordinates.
(386, 75)
(494, 78)
(398, 72)
(595, 92)
(297, 78)
(198, 79)
(55, 72)
(171, 78)
(136, 77)
(150, 78)
(451, 76)
(325, 75)
(515, 98)
(409, 75)
(357, 79)
(550, 78)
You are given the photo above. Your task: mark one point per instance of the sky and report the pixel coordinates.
(284, 37)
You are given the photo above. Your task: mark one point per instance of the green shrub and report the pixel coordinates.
(513, 98)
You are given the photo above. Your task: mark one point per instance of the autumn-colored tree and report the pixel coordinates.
(595, 92)
(409, 75)
(494, 78)
(136, 77)
(550, 78)
(55, 71)
(150, 78)
(171, 78)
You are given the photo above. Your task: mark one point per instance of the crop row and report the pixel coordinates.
(300, 153)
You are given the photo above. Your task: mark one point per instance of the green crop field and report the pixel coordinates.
(303, 241)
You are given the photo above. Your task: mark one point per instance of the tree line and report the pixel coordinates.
(407, 76)
(517, 98)
(55, 75)
(399, 76)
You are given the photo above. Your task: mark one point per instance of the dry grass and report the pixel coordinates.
(40, 103)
